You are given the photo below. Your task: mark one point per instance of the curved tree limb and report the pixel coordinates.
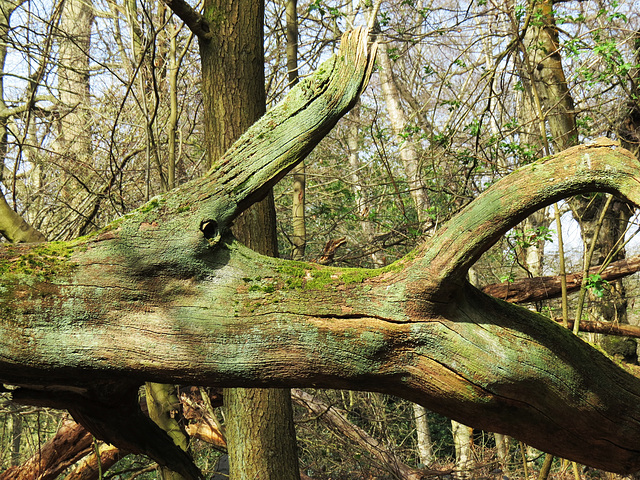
(15, 228)
(191, 18)
(585, 168)
(70, 443)
(165, 294)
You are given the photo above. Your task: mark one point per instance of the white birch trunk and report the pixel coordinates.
(425, 445)
(407, 149)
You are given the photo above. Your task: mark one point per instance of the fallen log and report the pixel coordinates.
(535, 289)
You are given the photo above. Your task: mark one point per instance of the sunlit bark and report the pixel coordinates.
(165, 294)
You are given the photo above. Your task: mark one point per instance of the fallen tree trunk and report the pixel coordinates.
(89, 469)
(606, 328)
(165, 294)
(544, 288)
(70, 443)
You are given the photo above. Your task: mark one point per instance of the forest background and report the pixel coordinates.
(100, 110)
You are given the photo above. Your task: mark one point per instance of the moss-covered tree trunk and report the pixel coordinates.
(166, 294)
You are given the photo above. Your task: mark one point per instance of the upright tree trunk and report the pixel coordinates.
(407, 148)
(299, 237)
(359, 184)
(173, 104)
(544, 64)
(463, 443)
(423, 434)
(73, 142)
(15, 438)
(260, 434)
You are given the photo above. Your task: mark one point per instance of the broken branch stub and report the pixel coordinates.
(166, 295)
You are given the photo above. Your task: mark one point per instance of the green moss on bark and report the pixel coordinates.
(309, 276)
(43, 262)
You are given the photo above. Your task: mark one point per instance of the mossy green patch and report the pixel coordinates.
(44, 262)
(151, 205)
(300, 275)
(258, 284)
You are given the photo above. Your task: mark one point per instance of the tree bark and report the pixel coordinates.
(73, 144)
(74, 137)
(87, 468)
(259, 421)
(463, 442)
(541, 49)
(423, 435)
(261, 439)
(165, 294)
(70, 444)
(15, 228)
(544, 288)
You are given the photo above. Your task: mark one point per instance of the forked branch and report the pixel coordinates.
(165, 294)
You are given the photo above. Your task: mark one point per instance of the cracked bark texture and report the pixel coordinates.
(233, 64)
(166, 294)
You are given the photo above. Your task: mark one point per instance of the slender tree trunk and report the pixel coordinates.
(364, 205)
(173, 105)
(463, 443)
(407, 148)
(425, 445)
(502, 449)
(73, 142)
(299, 236)
(260, 434)
(15, 438)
